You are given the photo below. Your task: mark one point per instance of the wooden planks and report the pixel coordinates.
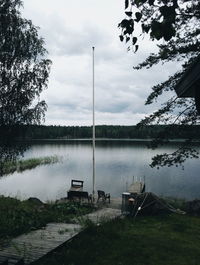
(36, 244)
(30, 247)
(11, 260)
(3, 261)
(136, 187)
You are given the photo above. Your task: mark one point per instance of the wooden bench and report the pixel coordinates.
(76, 184)
(102, 195)
(73, 194)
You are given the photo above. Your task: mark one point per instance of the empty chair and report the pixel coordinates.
(102, 195)
(76, 184)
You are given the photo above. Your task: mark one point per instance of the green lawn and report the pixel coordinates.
(161, 240)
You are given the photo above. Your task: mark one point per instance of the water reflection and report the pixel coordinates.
(116, 164)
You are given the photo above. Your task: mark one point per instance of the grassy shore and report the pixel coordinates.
(21, 165)
(167, 239)
(18, 217)
(160, 240)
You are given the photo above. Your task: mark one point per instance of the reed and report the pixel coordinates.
(21, 165)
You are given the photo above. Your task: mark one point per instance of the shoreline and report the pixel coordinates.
(106, 140)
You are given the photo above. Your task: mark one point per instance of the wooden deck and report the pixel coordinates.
(36, 244)
(136, 187)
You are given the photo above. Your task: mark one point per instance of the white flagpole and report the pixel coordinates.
(93, 131)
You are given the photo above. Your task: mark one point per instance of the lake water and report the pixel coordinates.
(116, 164)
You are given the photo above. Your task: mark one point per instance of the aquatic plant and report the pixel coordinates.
(21, 165)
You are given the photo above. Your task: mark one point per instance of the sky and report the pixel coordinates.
(70, 30)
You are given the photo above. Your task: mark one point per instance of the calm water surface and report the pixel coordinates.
(116, 164)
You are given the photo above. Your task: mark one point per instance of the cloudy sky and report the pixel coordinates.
(70, 29)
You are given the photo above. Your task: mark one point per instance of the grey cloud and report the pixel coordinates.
(65, 40)
(120, 91)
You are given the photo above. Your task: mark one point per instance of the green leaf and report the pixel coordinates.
(134, 40)
(151, 2)
(138, 16)
(139, 2)
(136, 48)
(121, 38)
(156, 30)
(124, 23)
(126, 4)
(175, 3)
(127, 39)
(168, 31)
(145, 28)
(129, 13)
(128, 26)
(168, 12)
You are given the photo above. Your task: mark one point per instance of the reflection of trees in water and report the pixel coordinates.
(10, 146)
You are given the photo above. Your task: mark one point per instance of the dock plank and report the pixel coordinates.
(36, 244)
(3, 261)
(136, 187)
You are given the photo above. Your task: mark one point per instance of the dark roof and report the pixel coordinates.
(186, 85)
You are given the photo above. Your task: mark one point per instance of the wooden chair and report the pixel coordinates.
(76, 184)
(102, 195)
(71, 195)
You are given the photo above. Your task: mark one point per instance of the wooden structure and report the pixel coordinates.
(28, 248)
(76, 191)
(189, 84)
(102, 195)
(136, 187)
(76, 185)
(71, 195)
(11, 260)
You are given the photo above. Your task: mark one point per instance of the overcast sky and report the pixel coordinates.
(70, 29)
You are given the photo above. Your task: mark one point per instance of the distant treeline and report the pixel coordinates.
(112, 131)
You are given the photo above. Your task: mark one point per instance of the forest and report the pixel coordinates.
(111, 131)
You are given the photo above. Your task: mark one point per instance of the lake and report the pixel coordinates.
(116, 164)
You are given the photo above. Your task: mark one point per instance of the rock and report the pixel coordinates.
(35, 201)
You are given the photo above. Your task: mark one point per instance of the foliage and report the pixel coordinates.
(18, 217)
(174, 25)
(39, 132)
(162, 20)
(24, 72)
(145, 240)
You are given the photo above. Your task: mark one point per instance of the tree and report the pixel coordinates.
(175, 26)
(23, 69)
(24, 72)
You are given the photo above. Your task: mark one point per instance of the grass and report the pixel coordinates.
(168, 239)
(177, 203)
(17, 217)
(21, 165)
(159, 240)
